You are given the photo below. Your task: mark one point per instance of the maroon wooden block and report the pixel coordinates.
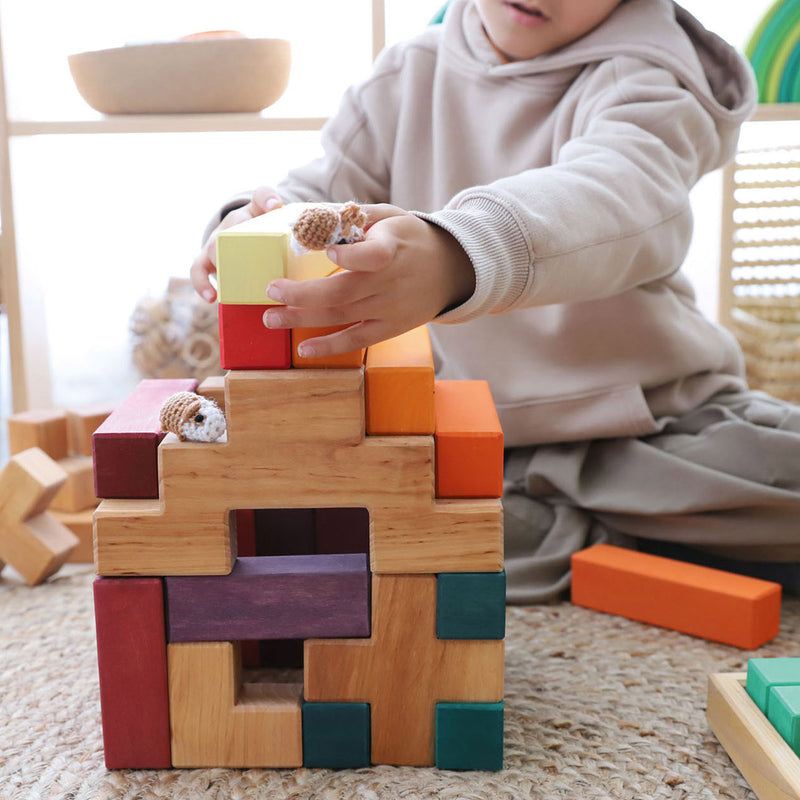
(132, 663)
(285, 531)
(275, 597)
(125, 446)
(246, 343)
(342, 530)
(251, 653)
(282, 653)
(245, 522)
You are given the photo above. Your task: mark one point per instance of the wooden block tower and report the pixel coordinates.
(349, 524)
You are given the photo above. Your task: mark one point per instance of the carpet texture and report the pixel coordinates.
(596, 707)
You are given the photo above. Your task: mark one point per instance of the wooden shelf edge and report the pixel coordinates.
(776, 112)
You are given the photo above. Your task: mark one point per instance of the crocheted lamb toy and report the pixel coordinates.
(320, 227)
(192, 417)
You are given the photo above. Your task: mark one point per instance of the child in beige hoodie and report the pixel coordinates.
(547, 148)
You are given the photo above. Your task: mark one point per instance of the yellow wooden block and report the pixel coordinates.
(403, 670)
(45, 429)
(77, 493)
(81, 524)
(766, 762)
(81, 424)
(253, 253)
(216, 721)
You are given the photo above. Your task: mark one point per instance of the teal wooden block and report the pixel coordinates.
(471, 605)
(469, 736)
(765, 673)
(784, 714)
(336, 735)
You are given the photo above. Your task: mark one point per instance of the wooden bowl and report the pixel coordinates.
(190, 76)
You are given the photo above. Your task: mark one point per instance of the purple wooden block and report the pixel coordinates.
(272, 597)
(125, 446)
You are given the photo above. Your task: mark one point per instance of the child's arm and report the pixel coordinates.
(405, 273)
(264, 199)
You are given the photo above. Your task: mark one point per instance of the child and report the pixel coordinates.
(548, 147)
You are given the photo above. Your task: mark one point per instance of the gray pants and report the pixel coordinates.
(724, 479)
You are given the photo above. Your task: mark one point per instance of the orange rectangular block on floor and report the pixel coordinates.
(399, 385)
(469, 441)
(708, 603)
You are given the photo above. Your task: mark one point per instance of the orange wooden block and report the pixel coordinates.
(45, 429)
(709, 603)
(399, 385)
(469, 441)
(353, 359)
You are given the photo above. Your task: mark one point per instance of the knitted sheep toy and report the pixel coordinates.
(322, 226)
(192, 417)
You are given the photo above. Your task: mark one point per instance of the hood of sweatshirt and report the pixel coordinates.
(657, 31)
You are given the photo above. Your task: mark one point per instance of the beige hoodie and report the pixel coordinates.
(566, 180)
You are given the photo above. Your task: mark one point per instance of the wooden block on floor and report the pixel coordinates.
(246, 343)
(125, 446)
(351, 360)
(471, 605)
(28, 483)
(764, 673)
(720, 606)
(400, 385)
(336, 735)
(132, 662)
(81, 424)
(469, 736)
(766, 762)
(219, 722)
(279, 597)
(285, 531)
(341, 530)
(77, 493)
(213, 387)
(42, 428)
(81, 523)
(469, 441)
(403, 653)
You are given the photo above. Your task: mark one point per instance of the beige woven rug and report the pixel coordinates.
(596, 707)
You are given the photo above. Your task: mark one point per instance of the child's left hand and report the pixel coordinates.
(405, 273)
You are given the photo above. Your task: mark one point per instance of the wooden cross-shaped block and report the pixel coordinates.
(403, 670)
(32, 541)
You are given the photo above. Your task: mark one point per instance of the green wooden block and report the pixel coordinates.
(471, 605)
(336, 735)
(246, 264)
(469, 736)
(764, 673)
(784, 714)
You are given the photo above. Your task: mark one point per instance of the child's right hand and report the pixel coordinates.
(264, 199)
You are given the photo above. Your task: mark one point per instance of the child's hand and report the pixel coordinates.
(264, 199)
(402, 275)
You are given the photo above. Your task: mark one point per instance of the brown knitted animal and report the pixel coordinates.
(320, 227)
(192, 417)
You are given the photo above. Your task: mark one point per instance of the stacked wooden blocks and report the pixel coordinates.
(352, 510)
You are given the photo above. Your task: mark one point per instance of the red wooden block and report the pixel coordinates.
(246, 343)
(245, 521)
(280, 597)
(132, 662)
(125, 446)
(342, 530)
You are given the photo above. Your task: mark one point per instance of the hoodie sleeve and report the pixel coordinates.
(611, 213)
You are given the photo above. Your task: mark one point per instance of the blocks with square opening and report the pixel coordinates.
(310, 539)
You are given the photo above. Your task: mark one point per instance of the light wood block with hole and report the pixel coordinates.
(403, 670)
(217, 721)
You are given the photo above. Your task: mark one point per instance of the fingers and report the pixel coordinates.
(264, 199)
(354, 337)
(199, 273)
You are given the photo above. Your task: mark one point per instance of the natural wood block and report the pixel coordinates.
(42, 428)
(28, 483)
(213, 387)
(400, 384)
(219, 722)
(77, 493)
(403, 670)
(36, 547)
(766, 762)
(132, 663)
(351, 360)
(125, 446)
(709, 603)
(469, 441)
(81, 523)
(81, 424)
(277, 597)
(246, 343)
(253, 253)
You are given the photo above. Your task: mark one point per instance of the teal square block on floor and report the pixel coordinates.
(764, 673)
(471, 605)
(469, 736)
(784, 714)
(336, 735)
